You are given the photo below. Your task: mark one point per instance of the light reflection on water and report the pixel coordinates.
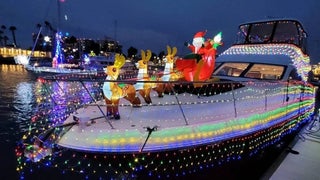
(19, 95)
(23, 103)
(16, 94)
(16, 106)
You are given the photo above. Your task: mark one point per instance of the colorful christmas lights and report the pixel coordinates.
(300, 60)
(199, 147)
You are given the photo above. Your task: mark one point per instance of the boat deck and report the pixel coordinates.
(176, 121)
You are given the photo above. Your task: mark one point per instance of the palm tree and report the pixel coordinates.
(12, 29)
(3, 27)
(132, 52)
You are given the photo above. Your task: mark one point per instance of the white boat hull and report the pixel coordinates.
(196, 121)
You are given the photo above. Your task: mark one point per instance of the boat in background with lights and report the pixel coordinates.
(257, 96)
(53, 65)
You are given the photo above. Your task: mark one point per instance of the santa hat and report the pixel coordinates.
(200, 34)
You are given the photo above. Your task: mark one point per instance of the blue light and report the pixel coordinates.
(58, 51)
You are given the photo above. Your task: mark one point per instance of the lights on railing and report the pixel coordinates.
(59, 96)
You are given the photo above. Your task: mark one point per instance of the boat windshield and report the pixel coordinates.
(277, 31)
(251, 70)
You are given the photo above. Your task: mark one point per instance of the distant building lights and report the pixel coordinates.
(47, 39)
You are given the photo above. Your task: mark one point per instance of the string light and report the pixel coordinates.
(300, 60)
(199, 146)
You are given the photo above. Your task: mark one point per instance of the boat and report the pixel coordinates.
(59, 69)
(90, 64)
(53, 65)
(57, 63)
(257, 96)
(101, 60)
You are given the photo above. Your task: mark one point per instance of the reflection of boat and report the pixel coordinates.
(262, 98)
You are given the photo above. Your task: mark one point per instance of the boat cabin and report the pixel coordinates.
(267, 50)
(273, 31)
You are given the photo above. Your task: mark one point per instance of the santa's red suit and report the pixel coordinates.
(198, 42)
(200, 64)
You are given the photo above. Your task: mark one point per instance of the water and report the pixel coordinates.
(18, 101)
(16, 104)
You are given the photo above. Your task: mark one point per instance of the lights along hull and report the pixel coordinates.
(194, 121)
(189, 128)
(220, 134)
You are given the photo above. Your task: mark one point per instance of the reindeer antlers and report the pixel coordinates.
(174, 51)
(119, 61)
(144, 57)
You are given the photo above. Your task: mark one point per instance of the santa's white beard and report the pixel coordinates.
(197, 43)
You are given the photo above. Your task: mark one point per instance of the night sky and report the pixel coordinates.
(153, 24)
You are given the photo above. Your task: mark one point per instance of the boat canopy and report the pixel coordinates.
(273, 31)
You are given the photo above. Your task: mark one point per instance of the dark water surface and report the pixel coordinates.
(17, 103)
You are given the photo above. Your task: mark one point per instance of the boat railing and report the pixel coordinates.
(64, 94)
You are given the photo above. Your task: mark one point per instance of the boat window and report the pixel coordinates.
(217, 65)
(231, 69)
(278, 31)
(261, 33)
(263, 71)
(286, 33)
(242, 34)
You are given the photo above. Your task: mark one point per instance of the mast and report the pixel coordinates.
(58, 54)
(115, 30)
(59, 15)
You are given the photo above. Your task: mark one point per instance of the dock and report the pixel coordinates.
(301, 160)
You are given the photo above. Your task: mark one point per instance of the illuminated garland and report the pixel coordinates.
(184, 136)
(220, 142)
(164, 165)
(299, 59)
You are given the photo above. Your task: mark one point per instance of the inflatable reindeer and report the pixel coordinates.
(169, 74)
(113, 91)
(144, 87)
